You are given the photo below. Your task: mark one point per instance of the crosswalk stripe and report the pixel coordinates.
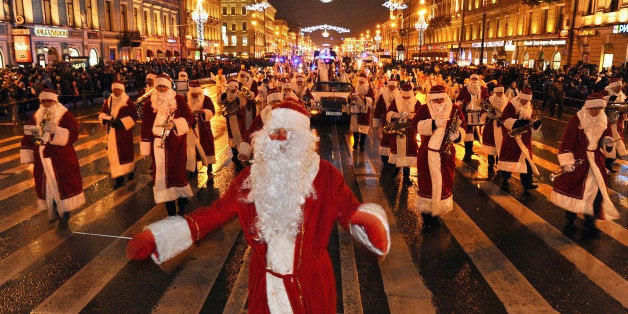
(9, 147)
(10, 138)
(236, 302)
(16, 156)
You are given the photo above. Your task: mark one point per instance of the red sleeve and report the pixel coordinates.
(569, 137)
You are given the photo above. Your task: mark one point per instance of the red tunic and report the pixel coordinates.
(511, 158)
(311, 288)
(381, 108)
(202, 129)
(120, 140)
(411, 145)
(465, 98)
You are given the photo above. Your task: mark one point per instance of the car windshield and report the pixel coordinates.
(332, 87)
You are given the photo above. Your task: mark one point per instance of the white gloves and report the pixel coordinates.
(50, 127)
(569, 168)
(30, 129)
(440, 123)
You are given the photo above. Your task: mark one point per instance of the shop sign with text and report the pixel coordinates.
(22, 48)
(585, 32)
(50, 32)
(558, 42)
(620, 29)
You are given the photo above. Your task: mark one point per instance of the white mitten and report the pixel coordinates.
(30, 129)
(50, 127)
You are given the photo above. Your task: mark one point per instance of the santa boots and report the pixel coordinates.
(171, 207)
(406, 176)
(356, 140)
(362, 141)
(64, 220)
(118, 182)
(590, 227)
(570, 223)
(429, 221)
(468, 151)
(181, 202)
(491, 166)
(505, 177)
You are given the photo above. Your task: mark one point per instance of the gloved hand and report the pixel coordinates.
(536, 124)
(116, 123)
(520, 123)
(29, 129)
(50, 127)
(440, 123)
(373, 228)
(569, 168)
(141, 245)
(454, 137)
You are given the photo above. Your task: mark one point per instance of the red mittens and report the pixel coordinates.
(374, 229)
(141, 245)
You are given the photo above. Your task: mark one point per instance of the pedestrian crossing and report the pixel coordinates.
(483, 256)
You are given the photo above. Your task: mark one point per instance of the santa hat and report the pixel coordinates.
(274, 94)
(614, 82)
(362, 78)
(288, 85)
(300, 78)
(393, 83)
(183, 75)
(474, 77)
(437, 92)
(163, 80)
(498, 89)
(595, 100)
(48, 94)
(526, 94)
(151, 76)
(233, 85)
(195, 87)
(406, 90)
(289, 113)
(117, 84)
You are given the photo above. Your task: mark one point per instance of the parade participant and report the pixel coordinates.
(48, 145)
(512, 91)
(616, 122)
(221, 82)
(440, 123)
(403, 148)
(492, 132)
(302, 92)
(361, 107)
(232, 104)
(150, 82)
(515, 154)
(287, 89)
(386, 99)
(119, 115)
(166, 121)
(287, 202)
(581, 188)
(249, 86)
(469, 99)
(201, 152)
(182, 83)
(244, 148)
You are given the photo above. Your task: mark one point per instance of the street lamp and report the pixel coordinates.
(199, 16)
(420, 26)
(259, 7)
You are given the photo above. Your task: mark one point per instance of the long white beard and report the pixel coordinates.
(164, 101)
(281, 180)
(525, 111)
(474, 89)
(593, 127)
(405, 105)
(498, 102)
(440, 111)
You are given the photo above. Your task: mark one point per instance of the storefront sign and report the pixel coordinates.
(21, 31)
(50, 32)
(488, 44)
(557, 42)
(22, 47)
(171, 40)
(620, 29)
(585, 32)
(510, 47)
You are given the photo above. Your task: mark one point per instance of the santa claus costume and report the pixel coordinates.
(436, 157)
(287, 202)
(245, 149)
(233, 105)
(492, 132)
(166, 109)
(48, 144)
(385, 100)
(618, 149)
(118, 114)
(515, 154)
(404, 148)
(582, 188)
(201, 153)
(250, 110)
(303, 93)
(361, 109)
(469, 99)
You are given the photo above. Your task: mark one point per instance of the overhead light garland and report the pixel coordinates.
(338, 29)
(259, 6)
(394, 5)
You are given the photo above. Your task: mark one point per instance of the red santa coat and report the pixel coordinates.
(492, 136)
(361, 115)
(56, 167)
(120, 141)
(245, 147)
(236, 122)
(468, 103)
(515, 151)
(250, 110)
(200, 139)
(403, 150)
(575, 191)
(385, 100)
(169, 172)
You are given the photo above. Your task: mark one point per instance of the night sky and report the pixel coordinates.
(356, 15)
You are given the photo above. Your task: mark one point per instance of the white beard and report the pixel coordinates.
(117, 103)
(525, 111)
(440, 111)
(593, 127)
(405, 105)
(195, 103)
(362, 89)
(281, 180)
(498, 102)
(164, 102)
(474, 89)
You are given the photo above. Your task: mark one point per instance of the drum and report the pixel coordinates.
(474, 117)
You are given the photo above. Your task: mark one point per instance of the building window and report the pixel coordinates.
(233, 10)
(146, 23)
(224, 10)
(233, 26)
(164, 25)
(498, 31)
(136, 18)
(544, 24)
(155, 24)
(243, 10)
(123, 17)
(88, 13)
(560, 16)
(614, 5)
(108, 16)
(234, 40)
(556, 61)
(592, 7)
(243, 26)
(70, 8)
(529, 31)
(245, 41)
(172, 28)
(47, 12)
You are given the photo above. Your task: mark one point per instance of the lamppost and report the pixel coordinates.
(378, 37)
(482, 45)
(420, 26)
(199, 16)
(259, 7)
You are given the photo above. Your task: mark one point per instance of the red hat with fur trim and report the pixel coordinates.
(274, 94)
(195, 87)
(289, 114)
(526, 94)
(48, 94)
(498, 89)
(614, 82)
(117, 84)
(406, 90)
(437, 92)
(163, 80)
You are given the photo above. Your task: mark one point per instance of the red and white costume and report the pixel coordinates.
(250, 110)
(492, 136)
(361, 107)
(617, 150)
(404, 149)
(119, 140)
(385, 100)
(515, 151)
(200, 139)
(273, 98)
(469, 99)
(56, 167)
(435, 164)
(235, 119)
(169, 173)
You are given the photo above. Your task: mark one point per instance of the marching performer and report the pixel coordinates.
(515, 154)
(403, 148)
(440, 123)
(616, 122)
(385, 100)
(288, 232)
(492, 132)
(48, 145)
(166, 121)
(361, 108)
(201, 152)
(581, 187)
(245, 149)
(221, 82)
(119, 115)
(249, 84)
(469, 99)
(233, 105)
(302, 92)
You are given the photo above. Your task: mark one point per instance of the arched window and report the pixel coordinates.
(1, 59)
(526, 59)
(93, 57)
(556, 61)
(73, 52)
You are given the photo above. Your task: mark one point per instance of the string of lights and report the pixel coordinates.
(395, 5)
(338, 29)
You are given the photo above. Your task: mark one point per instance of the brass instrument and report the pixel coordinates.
(524, 128)
(398, 127)
(451, 129)
(244, 92)
(614, 110)
(229, 108)
(40, 137)
(165, 132)
(140, 99)
(488, 109)
(561, 170)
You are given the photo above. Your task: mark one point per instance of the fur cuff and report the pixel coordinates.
(127, 122)
(26, 156)
(245, 148)
(102, 116)
(61, 137)
(359, 233)
(424, 127)
(172, 236)
(145, 148)
(566, 159)
(208, 114)
(509, 123)
(182, 126)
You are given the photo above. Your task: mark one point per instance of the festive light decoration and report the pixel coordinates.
(395, 5)
(200, 16)
(259, 6)
(325, 1)
(325, 27)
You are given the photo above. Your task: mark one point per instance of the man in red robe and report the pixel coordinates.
(248, 83)
(440, 123)
(48, 144)
(233, 106)
(469, 99)
(361, 109)
(287, 202)
(167, 119)
(582, 188)
(273, 98)
(201, 153)
(616, 122)
(492, 132)
(119, 115)
(403, 147)
(385, 100)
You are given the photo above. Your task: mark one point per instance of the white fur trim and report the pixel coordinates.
(162, 81)
(195, 90)
(432, 96)
(161, 192)
(182, 126)
(609, 209)
(359, 233)
(127, 122)
(287, 118)
(52, 189)
(595, 103)
(208, 114)
(245, 149)
(524, 96)
(275, 96)
(509, 123)
(514, 167)
(499, 89)
(424, 127)
(566, 159)
(145, 148)
(117, 169)
(48, 96)
(117, 85)
(26, 156)
(172, 236)
(103, 116)
(61, 137)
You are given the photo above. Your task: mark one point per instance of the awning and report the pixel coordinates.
(149, 53)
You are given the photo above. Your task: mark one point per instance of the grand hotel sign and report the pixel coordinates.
(50, 32)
